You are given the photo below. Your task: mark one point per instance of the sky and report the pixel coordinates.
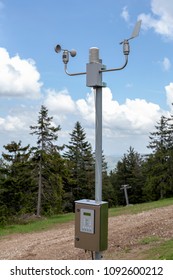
(32, 73)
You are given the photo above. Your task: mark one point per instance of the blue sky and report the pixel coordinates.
(32, 74)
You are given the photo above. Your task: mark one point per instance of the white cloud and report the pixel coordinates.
(161, 18)
(86, 108)
(169, 94)
(18, 77)
(123, 124)
(129, 85)
(141, 114)
(59, 102)
(125, 14)
(166, 64)
(136, 116)
(1, 5)
(12, 123)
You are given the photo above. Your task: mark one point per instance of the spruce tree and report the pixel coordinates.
(128, 172)
(81, 164)
(156, 167)
(45, 157)
(16, 181)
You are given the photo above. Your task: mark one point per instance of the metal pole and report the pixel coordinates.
(125, 187)
(126, 195)
(98, 144)
(98, 151)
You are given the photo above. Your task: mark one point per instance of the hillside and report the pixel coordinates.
(131, 236)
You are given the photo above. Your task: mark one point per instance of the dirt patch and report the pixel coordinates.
(125, 236)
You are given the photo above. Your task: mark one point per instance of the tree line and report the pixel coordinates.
(46, 179)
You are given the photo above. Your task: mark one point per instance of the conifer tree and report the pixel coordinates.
(156, 168)
(81, 164)
(45, 154)
(16, 183)
(128, 172)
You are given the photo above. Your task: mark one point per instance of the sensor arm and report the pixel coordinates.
(126, 51)
(72, 74)
(116, 69)
(102, 70)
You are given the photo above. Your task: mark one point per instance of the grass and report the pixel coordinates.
(159, 248)
(36, 225)
(149, 240)
(162, 251)
(137, 208)
(48, 222)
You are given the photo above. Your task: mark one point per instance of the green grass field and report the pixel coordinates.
(137, 208)
(36, 225)
(162, 251)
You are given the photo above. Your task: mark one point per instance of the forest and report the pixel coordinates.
(46, 179)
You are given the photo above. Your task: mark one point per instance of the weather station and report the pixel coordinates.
(91, 216)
